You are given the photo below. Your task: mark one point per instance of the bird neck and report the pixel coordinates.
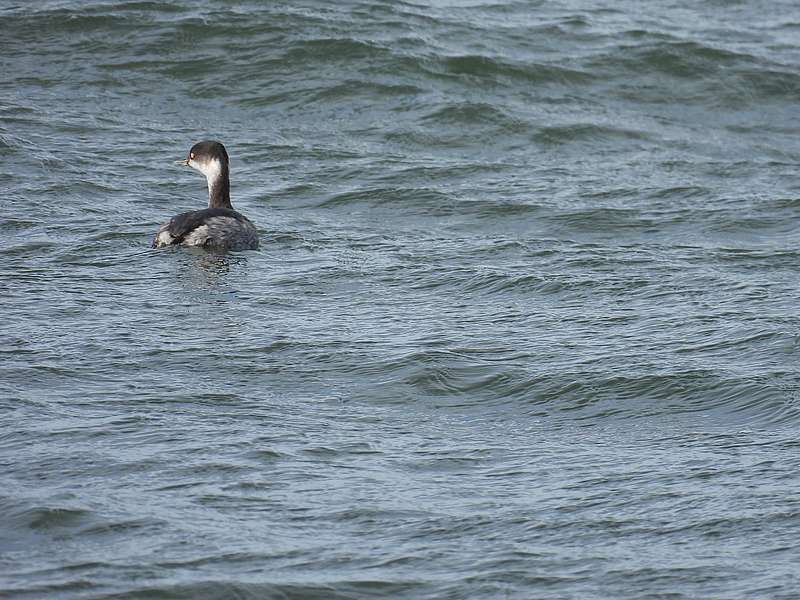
(219, 189)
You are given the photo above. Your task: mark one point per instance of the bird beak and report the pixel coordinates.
(184, 162)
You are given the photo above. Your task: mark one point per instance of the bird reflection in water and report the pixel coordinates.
(210, 271)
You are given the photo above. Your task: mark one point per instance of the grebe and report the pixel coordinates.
(217, 227)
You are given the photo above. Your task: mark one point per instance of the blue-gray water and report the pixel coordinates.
(523, 323)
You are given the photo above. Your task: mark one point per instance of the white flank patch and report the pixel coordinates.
(164, 238)
(197, 237)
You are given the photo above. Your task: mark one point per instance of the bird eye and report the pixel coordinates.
(191, 155)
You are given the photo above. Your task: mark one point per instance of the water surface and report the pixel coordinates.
(522, 325)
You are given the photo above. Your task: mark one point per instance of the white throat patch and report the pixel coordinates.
(211, 168)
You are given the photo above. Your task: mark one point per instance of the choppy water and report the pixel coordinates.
(523, 323)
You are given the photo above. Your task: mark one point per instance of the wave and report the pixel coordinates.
(458, 381)
(587, 132)
(701, 73)
(495, 68)
(333, 589)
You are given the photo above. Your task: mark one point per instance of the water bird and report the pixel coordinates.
(217, 227)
